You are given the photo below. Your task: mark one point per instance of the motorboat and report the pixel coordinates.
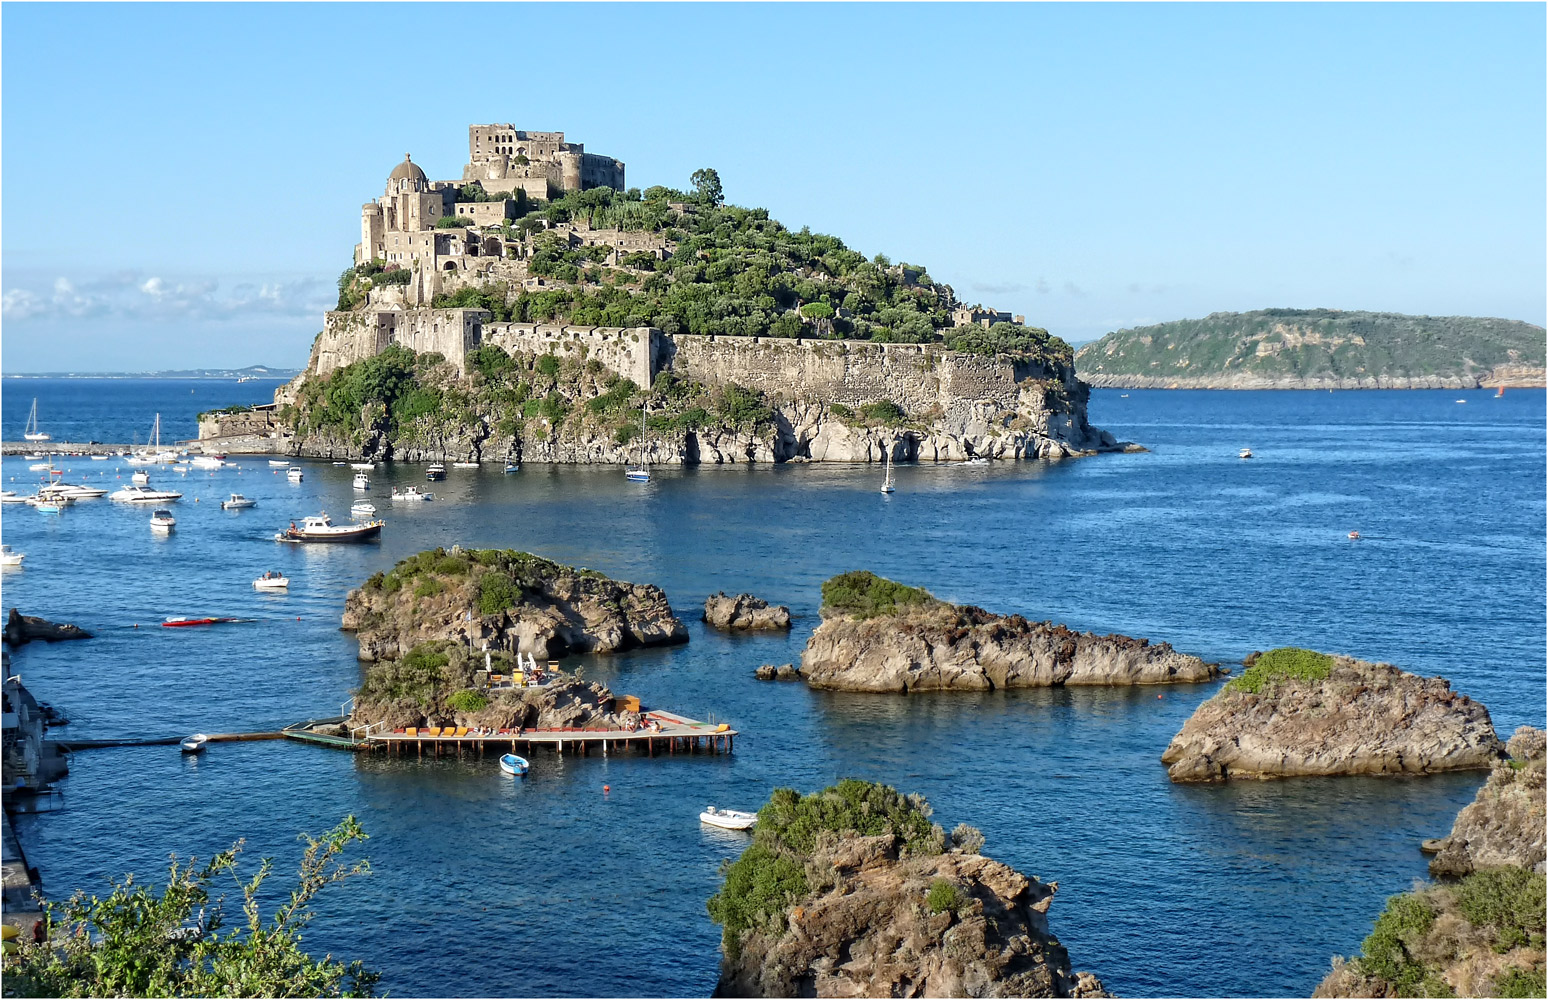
(320, 528)
(279, 463)
(412, 493)
(435, 471)
(179, 621)
(977, 460)
(207, 462)
(363, 466)
(100, 458)
(512, 467)
(143, 478)
(1244, 453)
(9, 558)
(32, 433)
(194, 743)
(465, 465)
(40, 466)
(512, 764)
(363, 508)
(1354, 536)
(72, 490)
(339, 465)
(237, 502)
(162, 520)
(294, 474)
(362, 481)
(43, 506)
(728, 819)
(11, 496)
(144, 494)
(272, 580)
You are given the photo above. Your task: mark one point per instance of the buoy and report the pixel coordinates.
(1158, 697)
(298, 617)
(606, 789)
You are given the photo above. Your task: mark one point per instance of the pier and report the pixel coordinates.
(67, 449)
(664, 734)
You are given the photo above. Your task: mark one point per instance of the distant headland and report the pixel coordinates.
(538, 309)
(252, 372)
(1318, 349)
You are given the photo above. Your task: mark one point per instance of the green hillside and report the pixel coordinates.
(1314, 345)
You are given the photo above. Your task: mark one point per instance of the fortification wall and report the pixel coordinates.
(629, 352)
(348, 337)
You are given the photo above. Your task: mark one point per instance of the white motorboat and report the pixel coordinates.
(362, 508)
(512, 467)
(100, 458)
(75, 491)
(977, 460)
(435, 471)
(412, 493)
(237, 502)
(144, 494)
(162, 520)
(207, 462)
(32, 433)
(143, 478)
(512, 764)
(272, 580)
(294, 474)
(362, 481)
(40, 466)
(728, 819)
(363, 466)
(9, 558)
(465, 465)
(1244, 453)
(320, 528)
(194, 743)
(888, 483)
(11, 496)
(279, 463)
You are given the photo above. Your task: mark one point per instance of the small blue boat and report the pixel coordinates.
(512, 764)
(512, 467)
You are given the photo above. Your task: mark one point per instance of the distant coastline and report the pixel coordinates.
(267, 375)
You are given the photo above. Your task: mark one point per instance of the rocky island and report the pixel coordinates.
(877, 635)
(744, 612)
(538, 309)
(1299, 712)
(1482, 935)
(509, 602)
(853, 891)
(1318, 349)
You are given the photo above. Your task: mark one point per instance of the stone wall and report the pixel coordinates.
(628, 352)
(348, 337)
(259, 421)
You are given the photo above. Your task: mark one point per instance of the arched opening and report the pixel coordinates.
(450, 265)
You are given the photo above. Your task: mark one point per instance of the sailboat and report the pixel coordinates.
(641, 472)
(1500, 393)
(152, 453)
(887, 483)
(32, 433)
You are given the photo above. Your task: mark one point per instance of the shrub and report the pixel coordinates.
(944, 895)
(742, 407)
(1519, 982)
(883, 411)
(1288, 663)
(428, 587)
(548, 364)
(450, 566)
(757, 888)
(967, 839)
(452, 222)
(1387, 952)
(841, 411)
(496, 592)
(1508, 900)
(863, 594)
(863, 807)
(1004, 338)
(467, 700)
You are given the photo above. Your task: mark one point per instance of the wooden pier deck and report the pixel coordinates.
(665, 733)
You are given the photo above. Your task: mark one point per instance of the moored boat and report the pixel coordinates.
(162, 520)
(32, 433)
(888, 484)
(237, 502)
(412, 493)
(362, 508)
(272, 580)
(294, 474)
(363, 466)
(1244, 453)
(728, 819)
(194, 743)
(279, 463)
(512, 467)
(142, 478)
(181, 621)
(435, 471)
(144, 494)
(10, 558)
(362, 481)
(320, 528)
(465, 465)
(512, 764)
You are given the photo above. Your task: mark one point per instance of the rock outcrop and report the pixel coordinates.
(782, 672)
(1328, 715)
(930, 645)
(513, 602)
(894, 914)
(744, 611)
(1504, 824)
(21, 629)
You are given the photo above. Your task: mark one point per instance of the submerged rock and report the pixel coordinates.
(901, 912)
(1296, 712)
(783, 672)
(1504, 824)
(21, 629)
(877, 635)
(744, 611)
(505, 601)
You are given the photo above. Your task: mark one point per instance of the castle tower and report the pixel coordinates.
(373, 234)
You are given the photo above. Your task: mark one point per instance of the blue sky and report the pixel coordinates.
(182, 183)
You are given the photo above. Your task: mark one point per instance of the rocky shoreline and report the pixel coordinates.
(909, 642)
(1505, 823)
(1522, 378)
(1294, 712)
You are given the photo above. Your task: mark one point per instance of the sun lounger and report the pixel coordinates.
(434, 731)
(413, 730)
(462, 730)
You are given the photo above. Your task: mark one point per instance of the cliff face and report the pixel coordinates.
(513, 601)
(1317, 349)
(1504, 824)
(944, 647)
(1343, 716)
(852, 891)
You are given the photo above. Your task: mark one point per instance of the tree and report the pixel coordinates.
(137, 943)
(706, 184)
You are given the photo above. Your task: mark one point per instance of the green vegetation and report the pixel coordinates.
(863, 594)
(1009, 338)
(357, 280)
(883, 411)
(1285, 664)
(416, 677)
(467, 700)
(138, 941)
(394, 393)
(1315, 343)
(944, 895)
(771, 874)
(1422, 934)
(453, 222)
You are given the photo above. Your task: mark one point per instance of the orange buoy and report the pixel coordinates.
(606, 789)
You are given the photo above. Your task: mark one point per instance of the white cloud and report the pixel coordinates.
(135, 296)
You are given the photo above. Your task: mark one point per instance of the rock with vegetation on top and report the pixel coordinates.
(877, 635)
(744, 611)
(1504, 824)
(512, 601)
(1480, 937)
(1298, 712)
(853, 891)
(21, 629)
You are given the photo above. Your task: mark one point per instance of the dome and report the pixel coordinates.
(408, 171)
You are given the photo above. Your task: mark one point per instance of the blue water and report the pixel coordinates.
(121, 410)
(485, 886)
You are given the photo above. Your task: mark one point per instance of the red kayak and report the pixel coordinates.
(184, 622)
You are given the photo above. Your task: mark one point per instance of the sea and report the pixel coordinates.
(589, 877)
